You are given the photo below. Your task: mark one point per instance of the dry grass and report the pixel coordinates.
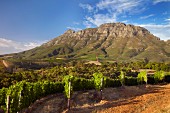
(128, 99)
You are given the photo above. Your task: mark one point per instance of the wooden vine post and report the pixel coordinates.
(99, 82)
(68, 88)
(19, 101)
(101, 87)
(68, 103)
(8, 104)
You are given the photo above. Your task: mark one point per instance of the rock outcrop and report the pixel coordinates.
(116, 41)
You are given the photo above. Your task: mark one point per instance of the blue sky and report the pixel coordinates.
(25, 24)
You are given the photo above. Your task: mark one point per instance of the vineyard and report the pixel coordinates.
(78, 69)
(25, 87)
(24, 93)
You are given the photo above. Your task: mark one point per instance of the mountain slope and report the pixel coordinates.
(115, 41)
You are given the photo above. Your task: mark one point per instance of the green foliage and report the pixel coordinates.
(167, 78)
(131, 81)
(82, 84)
(64, 48)
(159, 76)
(99, 81)
(112, 82)
(27, 83)
(3, 92)
(142, 77)
(151, 80)
(68, 87)
(78, 69)
(122, 78)
(28, 93)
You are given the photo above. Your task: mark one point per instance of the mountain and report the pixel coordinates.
(110, 41)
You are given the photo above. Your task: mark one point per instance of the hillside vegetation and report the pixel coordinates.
(111, 41)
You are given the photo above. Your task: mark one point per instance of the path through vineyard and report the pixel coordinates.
(5, 63)
(130, 99)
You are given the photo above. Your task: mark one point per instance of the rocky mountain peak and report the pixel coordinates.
(112, 24)
(122, 30)
(69, 31)
(110, 40)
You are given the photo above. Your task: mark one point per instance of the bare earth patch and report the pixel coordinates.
(128, 99)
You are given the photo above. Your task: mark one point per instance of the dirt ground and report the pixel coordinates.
(128, 99)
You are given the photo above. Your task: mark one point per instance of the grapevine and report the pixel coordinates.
(122, 78)
(68, 88)
(99, 82)
(142, 77)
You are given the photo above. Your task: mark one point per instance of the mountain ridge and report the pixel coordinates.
(114, 41)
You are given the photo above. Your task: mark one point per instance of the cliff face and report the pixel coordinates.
(116, 41)
(103, 32)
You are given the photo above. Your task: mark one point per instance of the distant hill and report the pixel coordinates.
(110, 41)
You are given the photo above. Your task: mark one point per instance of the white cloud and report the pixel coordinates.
(86, 6)
(120, 6)
(10, 46)
(161, 31)
(112, 9)
(5, 42)
(99, 19)
(148, 16)
(158, 1)
(107, 11)
(168, 19)
(124, 21)
(87, 24)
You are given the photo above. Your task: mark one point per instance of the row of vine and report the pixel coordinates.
(24, 93)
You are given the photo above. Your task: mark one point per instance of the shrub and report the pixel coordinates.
(142, 77)
(83, 84)
(112, 82)
(159, 76)
(131, 81)
(167, 78)
(151, 80)
(99, 81)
